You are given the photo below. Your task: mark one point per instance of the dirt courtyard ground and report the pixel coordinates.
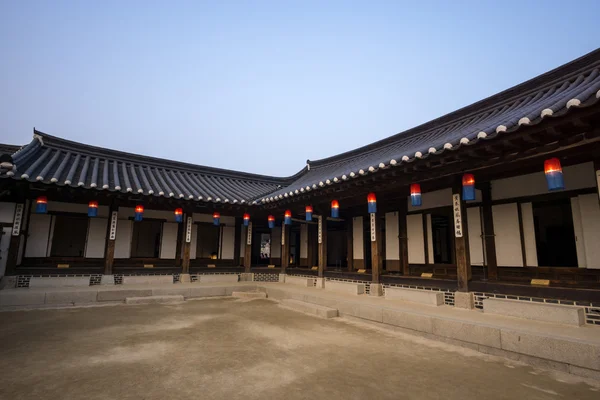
(234, 349)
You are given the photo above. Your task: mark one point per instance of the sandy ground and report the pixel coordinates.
(231, 349)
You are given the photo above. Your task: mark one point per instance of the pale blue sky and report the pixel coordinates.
(262, 86)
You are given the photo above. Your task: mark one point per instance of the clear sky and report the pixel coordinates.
(261, 86)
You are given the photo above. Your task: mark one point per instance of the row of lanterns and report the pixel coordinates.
(552, 170)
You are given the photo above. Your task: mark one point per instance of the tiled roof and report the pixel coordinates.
(551, 95)
(55, 161)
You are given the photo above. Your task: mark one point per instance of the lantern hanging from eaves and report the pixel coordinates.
(216, 218)
(246, 219)
(309, 212)
(287, 217)
(41, 205)
(271, 221)
(415, 195)
(139, 213)
(468, 187)
(554, 174)
(372, 203)
(179, 215)
(335, 209)
(93, 208)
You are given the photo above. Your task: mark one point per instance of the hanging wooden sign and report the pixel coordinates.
(373, 227)
(249, 235)
(113, 225)
(320, 235)
(18, 220)
(458, 229)
(283, 235)
(188, 229)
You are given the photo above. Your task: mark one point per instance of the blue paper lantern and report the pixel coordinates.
(468, 184)
(41, 205)
(554, 174)
(93, 209)
(415, 195)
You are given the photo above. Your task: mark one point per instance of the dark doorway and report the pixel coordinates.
(145, 242)
(69, 236)
(441, 235)
(554, 233)
(261, 247)
(337, 245)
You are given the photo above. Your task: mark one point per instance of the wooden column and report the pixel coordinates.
(375, 238)
(403, 236)
(180, 243)
(285, 247)
(248, 249)
(237, 240)
(111, 239)
(187, 243)
(350, 245)
(310, 245)
(489, 237)
(15, 240)
(322, 235)
(461, 238)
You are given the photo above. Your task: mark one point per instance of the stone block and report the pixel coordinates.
(299, 280)
(154, 300)
(8, 282)
(349, 308)
(421, 323)
(315, 309)
(147, 279)
(281, 278)
(372, 313)
(429, 297)
(345, 287)
(249, 295)
(184, 278)
(467, 332)
(107, 280)
(71, 297)
(59, 281)
(121, 295)
(559, 314)
(171, 291)
(320, 283)
(464, 300)
(208, 291)
(21, 297)
(247, 277)
(376, 289)
(566, 350)
(219, 278)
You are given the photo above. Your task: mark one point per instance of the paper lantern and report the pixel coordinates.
(415, 195)
(179, 215)
(335, 209)
(41, 205)
(468, 187)
(554, 174)
(139, 212)
(271, 220)
(372, 203)
(93, 209)
(216, 218)
(246, 219)
(287, 217)
(309, 211)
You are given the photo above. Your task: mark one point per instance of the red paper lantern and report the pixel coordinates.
(309, 211)
(179, 215)
(372, 203)
(93, 208)
(335, 209)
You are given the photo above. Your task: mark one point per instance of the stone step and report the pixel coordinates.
(429, 297)
(320, 311)
(250, 295)
(154, 299)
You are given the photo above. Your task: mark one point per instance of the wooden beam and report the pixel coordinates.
(461, 238)
(488, 232)
(111, 236)
(403, 236)
(322, 245)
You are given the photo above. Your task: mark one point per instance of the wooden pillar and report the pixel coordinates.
(322, 239)
(180, 243)
(350, 245)
(310, 245)
(285, 247)
(376, 240)
(111, 239)
(248, 249)
(237, 240)
(488, 232)
(461, 238)
(15, 240)
(403, 236)
(187, 243)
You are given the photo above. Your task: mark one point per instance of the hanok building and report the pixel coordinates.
(495, 198)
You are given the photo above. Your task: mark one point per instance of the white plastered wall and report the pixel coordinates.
(168, 242)
(508, 235)
(123, 238)
(416, 242)
(529, 235)
(303, 241)
(39, 233)
(475, 239)
(578, 228)
(228, 242)
(429, 239)
(96, 238)
(358, 250)
(590, 224)
(392, 246)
